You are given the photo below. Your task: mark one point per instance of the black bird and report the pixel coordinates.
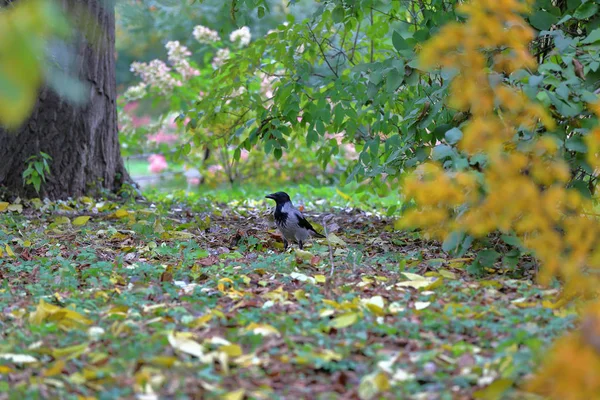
(290, 221)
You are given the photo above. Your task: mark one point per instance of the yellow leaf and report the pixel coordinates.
(163, 361)
(262, 329)
(331, 303)
(70, 352)
(398, 224)
(235, 395)
(120, 213)
(181, 235)
(413, 277)
(300, 294)
(344, 320)
(232, 350)
(15, 207)
(56, 368)
(82, 220)
(375, 304)
(65, 317)
(62, 220)
(372, 384)
(3, 206)
(303, 255)
(320, 278)
(343, 195)
(415, 284)
(9, 251)
(200, 321)
(180, 342)
(447, 274)
(494, 390)
(335, 240)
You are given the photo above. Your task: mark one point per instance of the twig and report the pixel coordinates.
(330, 250)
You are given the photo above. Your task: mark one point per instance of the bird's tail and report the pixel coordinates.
(318, 235)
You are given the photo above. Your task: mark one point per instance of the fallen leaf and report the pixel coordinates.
(232, 350)
(344, 320)
(375, 304)
(186, 345)
(262, 329)
(65, 317)
(335, 240)
(235, 395)
(372, 384)
(18, 358)
(82, 220)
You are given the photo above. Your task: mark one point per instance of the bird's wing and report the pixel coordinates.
(303, 223)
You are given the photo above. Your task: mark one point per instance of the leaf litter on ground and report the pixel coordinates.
(164, 300)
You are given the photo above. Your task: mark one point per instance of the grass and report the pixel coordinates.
(197, 301)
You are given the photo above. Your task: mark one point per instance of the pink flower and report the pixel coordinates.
(158, 163)
(162, 137)
(137, 122)
(130, 106)
(193, 181)
(215, 168)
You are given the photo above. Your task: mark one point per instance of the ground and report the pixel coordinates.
(109, 299)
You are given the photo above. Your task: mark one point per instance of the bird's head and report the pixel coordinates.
(279, 197)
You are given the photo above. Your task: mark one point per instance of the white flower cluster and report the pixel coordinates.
(219, 58)
(242, 35)
(178, 57)
(155, 74)
(205, 35)
(135, 92)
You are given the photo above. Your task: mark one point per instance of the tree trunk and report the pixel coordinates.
(81, 139)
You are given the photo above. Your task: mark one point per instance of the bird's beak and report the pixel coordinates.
(270, 196)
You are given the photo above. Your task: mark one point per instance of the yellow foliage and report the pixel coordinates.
(572, 371)
(25, 29)
(522, 187)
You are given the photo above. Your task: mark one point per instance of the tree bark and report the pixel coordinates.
(81, 139)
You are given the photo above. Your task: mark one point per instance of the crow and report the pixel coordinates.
(290, 221)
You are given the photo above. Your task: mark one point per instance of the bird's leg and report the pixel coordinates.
(300, 244)
(285, 245)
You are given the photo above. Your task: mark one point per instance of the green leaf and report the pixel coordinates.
(453, 135)
(586, 10)
(511, 240)
(277, 153)
(37, 182)
(393, 80)
(261, 12)
(576, 144)
(399, 43)
(452, 241)
(582, 187)
(338, 14)
(593, 37)
(442, 151)
(542, 20)
(488, 257)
